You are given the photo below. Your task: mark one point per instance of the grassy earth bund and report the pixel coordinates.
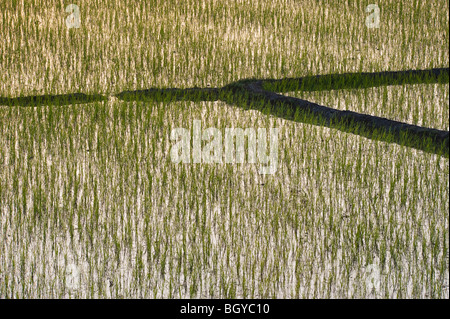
(92, 206)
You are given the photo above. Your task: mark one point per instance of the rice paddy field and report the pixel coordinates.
(92, 205)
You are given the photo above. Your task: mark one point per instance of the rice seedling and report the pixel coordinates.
(92, 206)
